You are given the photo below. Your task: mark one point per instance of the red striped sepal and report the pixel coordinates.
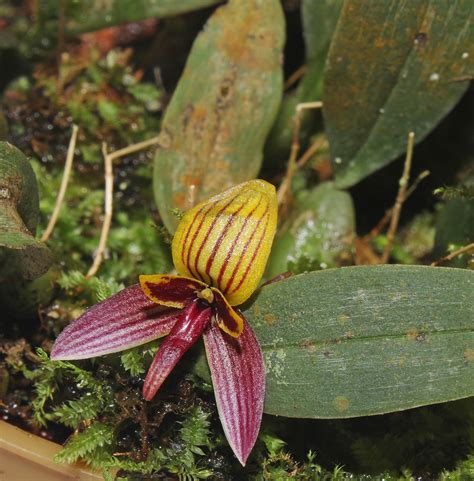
(238, 376)
(122, 321)
(184, 334)
(225, 241)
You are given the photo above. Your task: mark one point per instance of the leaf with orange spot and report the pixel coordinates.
(225, 103)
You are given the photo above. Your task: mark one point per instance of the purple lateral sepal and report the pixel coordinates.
(125, 320)
(187, 330)
(238, 376)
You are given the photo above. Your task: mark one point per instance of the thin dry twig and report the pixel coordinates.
(109, 158)
(64, 182)
(458, 252)
(463, 78)
(284, 189)
(401, 197)
(388, 213)
(130, 149)
(294, 77)
(108, 210)
(310, 151)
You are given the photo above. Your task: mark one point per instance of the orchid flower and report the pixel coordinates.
(219, 250)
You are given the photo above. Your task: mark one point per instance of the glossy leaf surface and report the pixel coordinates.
(393, 67)
(367, 340)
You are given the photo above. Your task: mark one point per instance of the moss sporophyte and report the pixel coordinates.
(220, 249)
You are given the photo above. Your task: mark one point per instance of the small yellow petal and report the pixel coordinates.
(226, 240)
(227, 318)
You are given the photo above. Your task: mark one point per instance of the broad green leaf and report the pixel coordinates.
(88, 15)
(20, 251)
(357, 341)
(393, 67)
(216, 124)
(318, 234)
(19, 189)
(319, 18)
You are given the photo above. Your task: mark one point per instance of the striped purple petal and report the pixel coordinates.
(125, 320)
(185, 333)
(238, 375)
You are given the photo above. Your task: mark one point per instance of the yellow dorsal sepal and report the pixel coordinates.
(225, 241)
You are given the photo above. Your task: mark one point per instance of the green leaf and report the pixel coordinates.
(18, 197)
(358, 341)
(393, 67)
(88, 15)
(318, 234)
(454, 229)
(21, 254)
(227, 98)
(319, 18)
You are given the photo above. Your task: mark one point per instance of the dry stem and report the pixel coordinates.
(109, 190)
(310, 151)
(454, 254)
(130, 149)
(294, 77)
(284, 189)
(64, 182)
(388, 213)
(401, 197)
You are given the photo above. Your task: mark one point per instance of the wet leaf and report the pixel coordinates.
(223, 107)
(366, 340)
(392, 67)
(318, 234)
